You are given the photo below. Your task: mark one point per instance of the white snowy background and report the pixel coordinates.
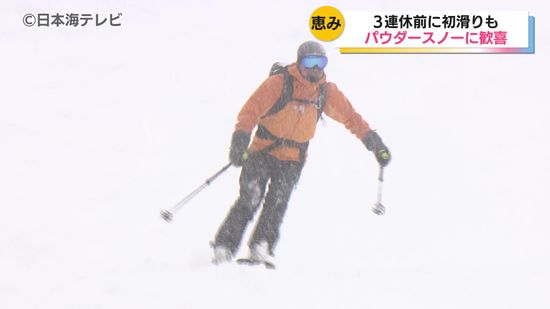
(102, 127)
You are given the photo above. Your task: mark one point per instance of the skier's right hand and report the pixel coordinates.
(239, 147)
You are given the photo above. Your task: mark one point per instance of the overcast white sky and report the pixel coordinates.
(100, 128)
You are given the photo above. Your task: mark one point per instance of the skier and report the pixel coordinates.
(284, 110)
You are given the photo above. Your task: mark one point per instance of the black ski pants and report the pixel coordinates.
(257, 171)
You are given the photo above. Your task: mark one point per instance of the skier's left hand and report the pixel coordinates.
(374, 143)
(383, 157)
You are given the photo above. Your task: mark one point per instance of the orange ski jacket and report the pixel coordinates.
(297, 121)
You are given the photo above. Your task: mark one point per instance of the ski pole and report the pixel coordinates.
(168, 214)
(378, 208)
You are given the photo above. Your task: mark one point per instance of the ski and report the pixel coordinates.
(251, 262)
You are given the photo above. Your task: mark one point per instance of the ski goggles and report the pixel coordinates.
(309, 62)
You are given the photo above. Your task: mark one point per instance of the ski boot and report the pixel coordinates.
(259, 255)
(222, 254)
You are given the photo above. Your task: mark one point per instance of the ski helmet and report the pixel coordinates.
(310, 48)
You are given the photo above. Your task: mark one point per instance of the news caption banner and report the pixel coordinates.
(452, 32)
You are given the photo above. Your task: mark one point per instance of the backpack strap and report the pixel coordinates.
(286, 94)
(263, 132)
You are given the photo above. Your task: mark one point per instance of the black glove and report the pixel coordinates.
(374, 143)
(239, 147)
